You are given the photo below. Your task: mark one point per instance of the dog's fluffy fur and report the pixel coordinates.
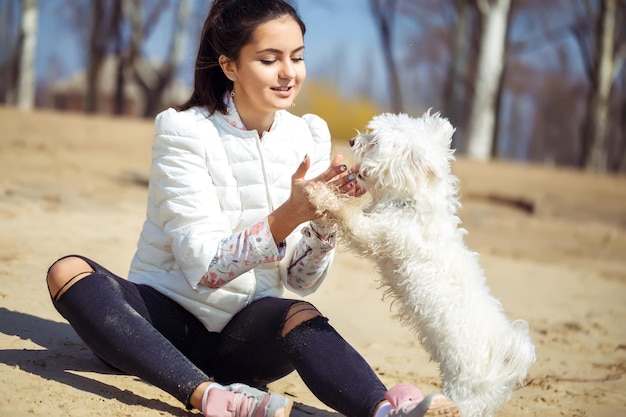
(407, 224)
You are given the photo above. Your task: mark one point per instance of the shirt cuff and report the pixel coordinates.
(312, 236)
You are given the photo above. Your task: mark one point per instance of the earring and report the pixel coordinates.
(232, 94)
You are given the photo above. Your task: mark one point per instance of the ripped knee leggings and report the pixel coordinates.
(137, 330)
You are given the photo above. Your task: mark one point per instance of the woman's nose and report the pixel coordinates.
(287, 70)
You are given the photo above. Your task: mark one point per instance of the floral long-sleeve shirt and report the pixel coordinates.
(255, 245)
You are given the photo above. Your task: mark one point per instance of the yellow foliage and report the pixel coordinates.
(344, 115)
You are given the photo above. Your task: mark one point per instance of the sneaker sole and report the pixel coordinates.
(271, 405)
(280, 404)
(436, 405)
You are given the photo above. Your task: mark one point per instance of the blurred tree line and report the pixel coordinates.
(504, 105)
(472, 60)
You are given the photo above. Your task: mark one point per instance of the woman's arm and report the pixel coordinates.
(298, 209)
(186, 206)
(190, 213)
(311, 258)
(260, 243)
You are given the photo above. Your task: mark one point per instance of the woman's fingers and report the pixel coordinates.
(346, 184)
(342, 178)
(333, 173)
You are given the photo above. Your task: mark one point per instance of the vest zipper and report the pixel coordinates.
(259, 145)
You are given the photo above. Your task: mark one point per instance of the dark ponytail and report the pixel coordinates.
(229, 26)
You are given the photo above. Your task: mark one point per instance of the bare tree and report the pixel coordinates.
(9, 55)
(27, 74)
(481, 132)
(17, 74)
(456, 87)
(97, 51)
(154, 80)
(602, 81)
(603, 61)
(384, 12)
(622, 116)
(105, 24)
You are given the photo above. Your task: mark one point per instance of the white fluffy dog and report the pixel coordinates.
(407, 224)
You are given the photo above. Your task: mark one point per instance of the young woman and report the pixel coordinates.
(228, 227)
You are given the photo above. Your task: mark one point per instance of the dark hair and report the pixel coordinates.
(229, 26)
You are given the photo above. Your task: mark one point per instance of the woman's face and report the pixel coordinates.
(270, 69)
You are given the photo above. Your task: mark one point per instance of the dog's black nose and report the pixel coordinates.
(351, 142)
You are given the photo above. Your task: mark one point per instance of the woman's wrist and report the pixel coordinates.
(283, 221)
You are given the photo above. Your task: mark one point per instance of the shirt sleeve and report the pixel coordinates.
(241, 252)
(255, 245)
(310, 262)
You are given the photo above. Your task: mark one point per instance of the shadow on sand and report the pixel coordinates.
(63, 352)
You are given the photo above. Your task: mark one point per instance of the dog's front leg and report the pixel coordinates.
(325, 200)
(355, 227)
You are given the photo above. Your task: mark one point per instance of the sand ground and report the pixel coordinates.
(552, 243)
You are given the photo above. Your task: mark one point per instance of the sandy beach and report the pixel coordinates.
(551, 240)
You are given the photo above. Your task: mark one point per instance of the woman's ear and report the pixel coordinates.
(228, 67)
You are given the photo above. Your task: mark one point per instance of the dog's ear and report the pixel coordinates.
(430, 150)
(419, 164)
(440, 128)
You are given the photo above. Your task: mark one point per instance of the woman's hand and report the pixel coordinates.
(298, 209)
(345, 182)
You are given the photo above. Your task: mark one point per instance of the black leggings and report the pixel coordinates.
(136, 329)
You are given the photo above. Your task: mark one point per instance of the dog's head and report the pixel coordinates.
(399, 154)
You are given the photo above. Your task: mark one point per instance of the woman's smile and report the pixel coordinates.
(283, 92)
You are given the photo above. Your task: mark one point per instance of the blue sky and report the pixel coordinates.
(340, 38)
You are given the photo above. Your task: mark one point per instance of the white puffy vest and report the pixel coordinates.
(208, 180)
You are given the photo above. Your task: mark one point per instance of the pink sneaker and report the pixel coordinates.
(244, 401)
(408, 401)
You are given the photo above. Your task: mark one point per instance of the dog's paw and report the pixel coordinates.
(324, 198)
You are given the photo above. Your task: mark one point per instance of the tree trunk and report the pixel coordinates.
(622, 115)
(455, 87)
(27, 74)
(384, 11)
(481, 132)
(603, 79)
(154, 82)
(119, 98)
(97, 50)
(11, 56)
